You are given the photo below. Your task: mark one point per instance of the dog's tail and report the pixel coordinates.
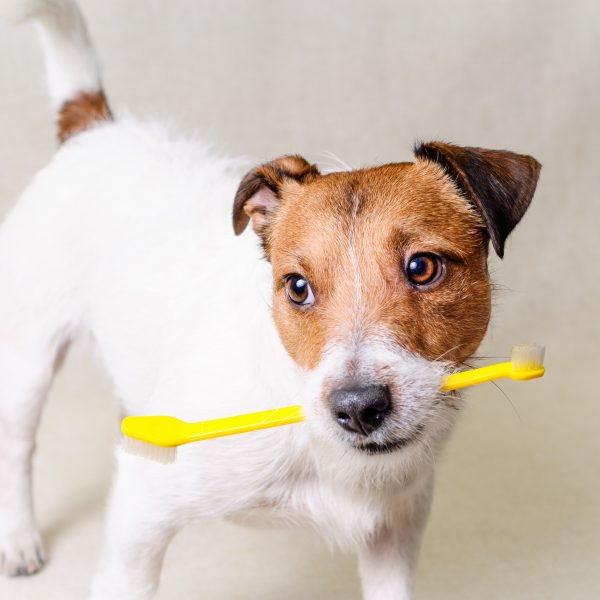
(72, 71)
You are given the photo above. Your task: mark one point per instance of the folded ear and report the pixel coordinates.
(259, 194)
(500, 184)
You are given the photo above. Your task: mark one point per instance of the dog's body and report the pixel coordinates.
(126, 236)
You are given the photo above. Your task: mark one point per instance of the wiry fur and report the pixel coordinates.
(126, 236)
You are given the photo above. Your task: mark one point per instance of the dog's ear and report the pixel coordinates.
(500, 184)
(259, 194)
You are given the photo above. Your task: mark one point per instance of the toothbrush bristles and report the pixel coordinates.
(150, 451)
(527, 356)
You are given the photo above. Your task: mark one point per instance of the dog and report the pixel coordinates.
(351, 293)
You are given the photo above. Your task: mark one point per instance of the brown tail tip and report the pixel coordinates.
(81, 113)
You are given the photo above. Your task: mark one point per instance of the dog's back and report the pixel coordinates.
(120, 193)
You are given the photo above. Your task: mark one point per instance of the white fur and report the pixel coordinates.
(71, 66)
(126, 235)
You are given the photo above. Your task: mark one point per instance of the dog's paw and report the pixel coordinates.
(22, 554)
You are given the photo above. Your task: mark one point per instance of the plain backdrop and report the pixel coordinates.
(517, 509)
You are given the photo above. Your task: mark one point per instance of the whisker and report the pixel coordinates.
(337, 161)
(449, 400)
(466, 364)
(509, 400)
(452, 406)
(497, 386)
(447, 352)
(503, 358)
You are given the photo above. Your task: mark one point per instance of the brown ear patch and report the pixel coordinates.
(81, 113)
(499, 183)
(259, 193)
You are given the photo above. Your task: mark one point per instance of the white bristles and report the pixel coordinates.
(527, 356)
(150, 451)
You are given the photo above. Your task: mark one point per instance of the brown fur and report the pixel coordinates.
(258, 195)
(81, 113)
(402, 209)
(500, 183)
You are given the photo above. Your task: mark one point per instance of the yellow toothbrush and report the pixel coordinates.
(526, 362)
(157, 437)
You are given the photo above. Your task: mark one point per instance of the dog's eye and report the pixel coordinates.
(298, 290)
(424, 269)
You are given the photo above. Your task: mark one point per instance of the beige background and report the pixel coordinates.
(517, 510)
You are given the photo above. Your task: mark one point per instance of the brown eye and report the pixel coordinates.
(424, 269)
(298, 290)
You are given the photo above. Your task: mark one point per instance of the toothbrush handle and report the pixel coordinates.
(206, 430)
(464, 379)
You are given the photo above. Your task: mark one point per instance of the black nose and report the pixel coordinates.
(360, 409)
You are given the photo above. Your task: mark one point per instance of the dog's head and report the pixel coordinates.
(380, 280)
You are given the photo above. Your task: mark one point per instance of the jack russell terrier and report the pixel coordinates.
(355, 293)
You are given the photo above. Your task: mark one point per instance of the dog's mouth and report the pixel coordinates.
(374, 448)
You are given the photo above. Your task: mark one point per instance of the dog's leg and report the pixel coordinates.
(388, 560)
(37, 320)
(26, 368)
(23, 383)
(143, 516)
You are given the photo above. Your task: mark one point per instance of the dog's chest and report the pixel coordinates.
(338, 513)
